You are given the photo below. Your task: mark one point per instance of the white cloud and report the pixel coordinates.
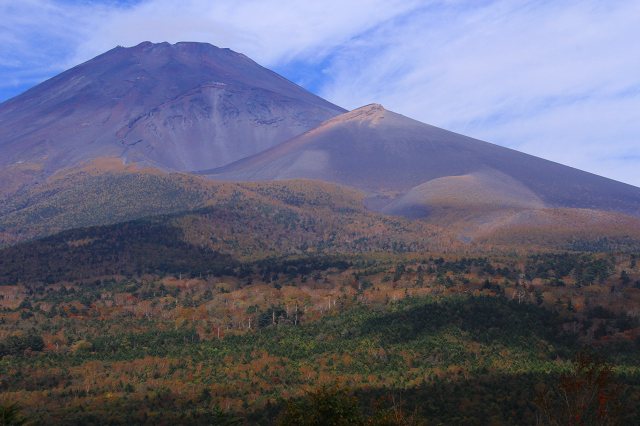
(269, 31)
(558, 79)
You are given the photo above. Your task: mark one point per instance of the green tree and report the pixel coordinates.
(221, 418)
(11, 415)
(328, 406)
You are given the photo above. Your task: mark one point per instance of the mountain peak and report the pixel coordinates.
(181, 51)
(370, 107)
(148, 44)
(181, 44)
(369, 110)
(371, 114)
(179, 106)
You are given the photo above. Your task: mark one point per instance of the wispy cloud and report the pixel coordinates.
(270, 31)
(558, 79)
(42, 37)
(555, 79)
(39, 38)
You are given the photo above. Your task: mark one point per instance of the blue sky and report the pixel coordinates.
(559, 79)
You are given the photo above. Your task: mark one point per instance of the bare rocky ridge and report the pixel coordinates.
(181, 107)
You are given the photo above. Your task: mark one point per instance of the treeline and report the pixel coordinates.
(584, 268)
(271, 269)
(152, 342)
(17, 345)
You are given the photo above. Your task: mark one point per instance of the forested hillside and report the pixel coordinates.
(437, 339)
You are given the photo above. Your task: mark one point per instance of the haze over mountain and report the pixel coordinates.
(182, 107)
(411, 167)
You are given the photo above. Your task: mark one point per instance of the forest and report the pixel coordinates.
(378, 338)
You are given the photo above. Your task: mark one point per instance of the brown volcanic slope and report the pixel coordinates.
(413, 169)
(182, 107)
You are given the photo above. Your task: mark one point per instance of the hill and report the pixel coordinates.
(284, 217)
(105, 192)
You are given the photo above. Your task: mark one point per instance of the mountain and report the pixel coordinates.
(413, 169)
(117, 139)
(180, 107)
